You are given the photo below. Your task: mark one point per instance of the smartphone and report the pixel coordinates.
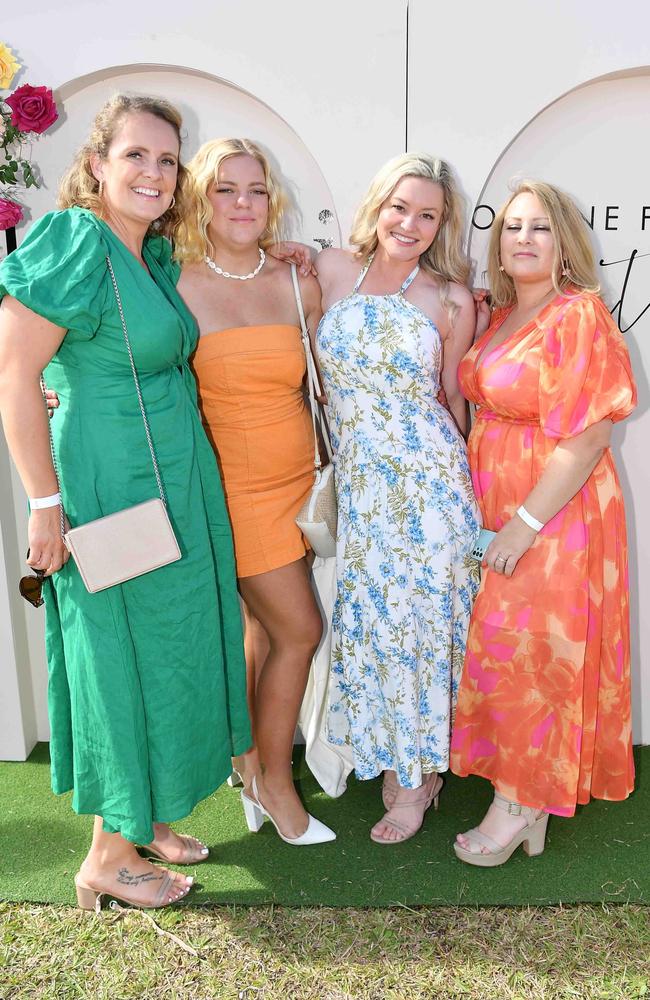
(482, 542)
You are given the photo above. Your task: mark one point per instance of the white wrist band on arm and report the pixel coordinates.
(528, 519)
(40, 503)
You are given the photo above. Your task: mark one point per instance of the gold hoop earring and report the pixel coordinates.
(173, 201)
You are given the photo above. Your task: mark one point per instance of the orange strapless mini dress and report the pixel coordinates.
(251, 397)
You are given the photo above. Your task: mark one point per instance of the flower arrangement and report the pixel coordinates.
(26, 113)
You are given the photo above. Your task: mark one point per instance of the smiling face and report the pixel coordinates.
(527, 245)
(410, 217)
(240, 203)
(140, 171)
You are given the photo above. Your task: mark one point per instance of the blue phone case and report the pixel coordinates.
(482, 542)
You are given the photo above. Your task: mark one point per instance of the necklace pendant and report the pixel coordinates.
(237, 277)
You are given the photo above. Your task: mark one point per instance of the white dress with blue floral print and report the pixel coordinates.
(407, 522)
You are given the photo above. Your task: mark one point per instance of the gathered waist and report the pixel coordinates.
(484, 414)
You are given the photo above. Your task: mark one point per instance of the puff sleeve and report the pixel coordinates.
(160, 249)
(585, 371)
(59, 271)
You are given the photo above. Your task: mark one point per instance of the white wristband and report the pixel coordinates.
(40, 503)
(528, 519)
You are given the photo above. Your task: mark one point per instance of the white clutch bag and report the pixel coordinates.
(130, 542)
(118, 547)
(317, 518)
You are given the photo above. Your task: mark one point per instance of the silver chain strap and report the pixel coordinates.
(137, 383)
(140, 401)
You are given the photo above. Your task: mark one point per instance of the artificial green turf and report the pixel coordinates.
(602, 854)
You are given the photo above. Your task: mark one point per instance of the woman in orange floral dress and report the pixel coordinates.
(544, 704)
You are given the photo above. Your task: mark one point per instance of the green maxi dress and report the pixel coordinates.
(147, 690)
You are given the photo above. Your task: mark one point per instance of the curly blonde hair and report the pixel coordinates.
(444, 260)
(191, 239)
(80, 188)
(574, 265)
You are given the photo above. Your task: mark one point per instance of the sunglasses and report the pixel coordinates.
(31, 587)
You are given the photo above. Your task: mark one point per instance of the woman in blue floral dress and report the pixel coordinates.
(398, 320)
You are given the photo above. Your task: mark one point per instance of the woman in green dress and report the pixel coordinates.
(147, 694)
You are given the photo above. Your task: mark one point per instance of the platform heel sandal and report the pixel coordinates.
(532, 837)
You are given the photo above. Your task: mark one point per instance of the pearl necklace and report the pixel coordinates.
(239, 277)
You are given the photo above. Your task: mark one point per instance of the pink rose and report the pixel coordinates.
(10, 214)
(32, 108)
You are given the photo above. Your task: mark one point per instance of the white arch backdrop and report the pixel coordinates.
(210, 108)
(559, 93)
(275, 52)
(336, 95)
(617, 206)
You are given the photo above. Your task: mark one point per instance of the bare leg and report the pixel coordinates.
(283, 602)
(113, 865)
(256, 649)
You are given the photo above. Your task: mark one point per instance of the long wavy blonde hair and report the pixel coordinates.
(574, 265)
(444, 260)
(80, 188)
(191, 239)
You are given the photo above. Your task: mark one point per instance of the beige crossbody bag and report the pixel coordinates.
(131, 542)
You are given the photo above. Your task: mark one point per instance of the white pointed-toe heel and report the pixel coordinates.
(235, 780)
(255, 813)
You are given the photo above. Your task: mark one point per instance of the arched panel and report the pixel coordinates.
(210, 108)
(593, 143)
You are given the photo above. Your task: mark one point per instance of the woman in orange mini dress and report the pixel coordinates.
(250, 365)
(544, 704)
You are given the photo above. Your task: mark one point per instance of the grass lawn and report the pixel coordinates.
(264, 953)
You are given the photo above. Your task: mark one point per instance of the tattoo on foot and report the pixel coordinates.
(125, 877)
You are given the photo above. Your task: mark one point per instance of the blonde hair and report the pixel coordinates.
(80, 188)
(191, 237)
(444, 260)
(574, 265)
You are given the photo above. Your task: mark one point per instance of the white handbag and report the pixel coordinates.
(317, 518)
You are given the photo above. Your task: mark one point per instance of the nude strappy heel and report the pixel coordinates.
(532, 837)
(406, 832)
(191, 843)
(169, 892)
(389, 788)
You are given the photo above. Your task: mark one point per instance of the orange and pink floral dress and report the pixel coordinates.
(544, 703)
